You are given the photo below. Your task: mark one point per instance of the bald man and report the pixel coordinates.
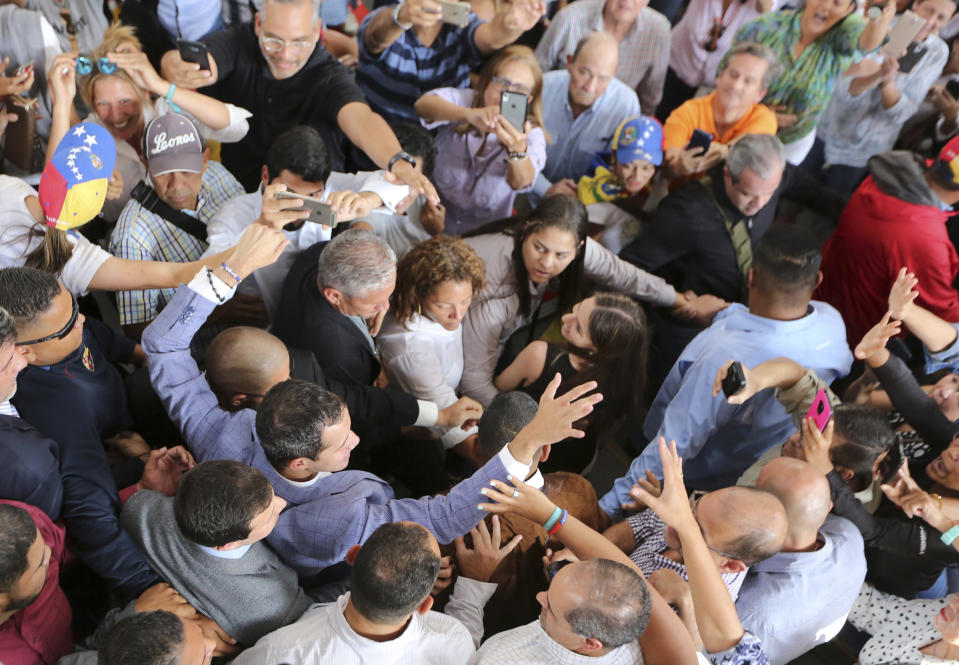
(582, 107)
(800, 597)
(243, 363)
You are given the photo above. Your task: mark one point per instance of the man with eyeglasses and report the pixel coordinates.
(583, 105)
(71, 392)
(408, 49)
(277, 69)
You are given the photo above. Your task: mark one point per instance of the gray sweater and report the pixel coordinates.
(248, 597)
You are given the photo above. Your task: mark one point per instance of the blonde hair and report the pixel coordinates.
(113, 38)
(514, 53)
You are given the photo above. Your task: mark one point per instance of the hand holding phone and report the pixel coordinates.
(820, 411)
(512, 106)
(195, 52)
(455, 13)
(735, 379)
(320, 213)
(700, 139)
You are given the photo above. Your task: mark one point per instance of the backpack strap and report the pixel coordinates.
(149, 199)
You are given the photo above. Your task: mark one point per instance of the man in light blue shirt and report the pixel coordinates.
(582, 106)
(718, 440)
(800, 597)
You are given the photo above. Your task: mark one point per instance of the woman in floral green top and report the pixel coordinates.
(815, 45)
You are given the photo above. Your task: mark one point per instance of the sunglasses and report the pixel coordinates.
(63, 332)
(85, 65)
(555, 566)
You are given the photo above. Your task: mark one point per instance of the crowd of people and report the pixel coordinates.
(598, 332)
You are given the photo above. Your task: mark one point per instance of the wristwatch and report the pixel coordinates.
(405, 156)
(515, 156)
(396, 17)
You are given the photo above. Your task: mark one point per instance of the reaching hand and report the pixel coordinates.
(874, 341)
(164, 597)
(520, 499)
(421, 13)
(479, 562)
(703, 308)
(16, 84)
(522, 15)
(445, 576)
(186, 74)
(164, 468)
(556, 416)
(433, 217)
(130, 444)
(349, 205)
(404, 174)
(751, 388)
(138, 68)
(259, 246)
(919, 503)
(62, 79)
(903, 294)
(277, 213)
(460, 411)
(483, 118)
(650, 484)
(672, 505)
(225, 645)
(564, 186)
(816, 444)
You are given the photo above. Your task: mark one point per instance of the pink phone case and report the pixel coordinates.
(820, 411)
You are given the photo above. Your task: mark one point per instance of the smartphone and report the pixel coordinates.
(820, 411)
(735, 379)
(913, 55)
(903, 33)
(512, 106)
(320, 213)
(25, 68)
(700, 139)
(456, 13)
(194, 52)
(891, 463)
(952, 87)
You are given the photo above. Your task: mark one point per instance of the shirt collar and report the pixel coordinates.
(226, 554)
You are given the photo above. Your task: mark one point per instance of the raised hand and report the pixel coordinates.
(555, 417)
(62, 79)
(509, 137)
(164, 468)
(874, 341)
(138, 68)
(650, 484)
(519, 498)
(16, 84)
(277, 213)
(672, 505)
(522, 15)
(186, 74)
(259, 246)
(903, 294)
(816, 444)
(479, 562)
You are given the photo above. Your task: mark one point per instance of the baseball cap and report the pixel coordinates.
(73, 185)
(947, 164)
(172, 142)
(639, 137)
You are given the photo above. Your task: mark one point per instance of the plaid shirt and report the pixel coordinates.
(648, 532)
(643, 52)
(142, 235)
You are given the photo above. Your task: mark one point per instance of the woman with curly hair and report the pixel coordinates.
(421, 343)
(605, 341)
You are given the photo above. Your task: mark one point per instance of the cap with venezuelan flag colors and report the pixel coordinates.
(947, 165)
(73, 186)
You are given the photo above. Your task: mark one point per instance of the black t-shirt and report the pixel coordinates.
(313, 96)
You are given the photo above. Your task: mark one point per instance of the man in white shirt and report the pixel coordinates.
(386, 616)
(298, 162)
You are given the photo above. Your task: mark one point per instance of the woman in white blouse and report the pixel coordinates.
(421, 342)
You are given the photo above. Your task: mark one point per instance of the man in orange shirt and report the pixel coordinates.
(728, 113)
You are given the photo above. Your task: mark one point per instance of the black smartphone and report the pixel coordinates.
(914, 53)
(700, 139)
(512, 106)
(194, 52)
(735, 379)
(891, 463)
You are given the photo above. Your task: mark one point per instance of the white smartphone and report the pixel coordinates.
(320, 213)
(457, 13)
(903, 33)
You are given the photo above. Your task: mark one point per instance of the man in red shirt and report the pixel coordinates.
(34, 613)
(897, 217)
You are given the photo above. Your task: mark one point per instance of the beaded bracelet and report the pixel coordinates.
(230, 272)
(557, 511)
(209, 278)
(556, 527)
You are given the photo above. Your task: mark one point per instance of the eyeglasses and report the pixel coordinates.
(85, 65)
(694, 498)
(716, 31)
(505, 84)
(63, 332)
(554, 567)
(275, 44)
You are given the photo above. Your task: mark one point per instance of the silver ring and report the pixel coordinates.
(515, 493)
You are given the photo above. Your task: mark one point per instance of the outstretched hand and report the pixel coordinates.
(874, 341)
(555, 417)
(520, 498)
(650, 484)
(259, 246)
(902, 294)
(672, 505)
(479, 562)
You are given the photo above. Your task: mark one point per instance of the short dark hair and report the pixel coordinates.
(786, 263)
(26, 293)
(19, 533)
(505, 416)
(292, 418)
(8, 328)
(146, 638)
(618, 606)
(302, 152)
(417, 141)
(216, 501)
(866, 435)
(393, 572)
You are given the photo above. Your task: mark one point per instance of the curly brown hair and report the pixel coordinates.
(440, 259)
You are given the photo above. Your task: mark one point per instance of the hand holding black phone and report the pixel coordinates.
(735, 379)
(195, 52)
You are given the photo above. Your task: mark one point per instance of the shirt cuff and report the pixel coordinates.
(455, 435)
(514, 468)
(207, 285)
(473, 591)
(428, 414)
